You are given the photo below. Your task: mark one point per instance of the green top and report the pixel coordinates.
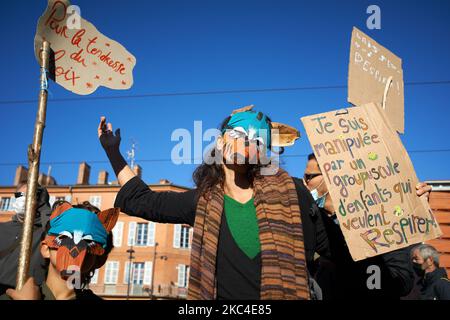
(243, 224)
(47, 294)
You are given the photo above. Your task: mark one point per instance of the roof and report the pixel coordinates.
(102, 186)
(439, 185)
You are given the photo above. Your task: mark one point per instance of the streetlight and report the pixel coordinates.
(153, 270)
(130, 269)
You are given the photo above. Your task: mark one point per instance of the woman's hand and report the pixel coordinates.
(30, 291)
(423, 190)
(111, 144)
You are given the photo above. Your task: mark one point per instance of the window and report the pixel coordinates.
(138, 273)
(142, 234)
(181, 235)
(183, 275)
(111, 272)
(184, 238)
(126, 274)
(94, 278)
(5, 204)
(11, 204)
(191, 236)
(141, 273)
(117, 234)
(151, 234)
(148, 267)
(96, 201)
(53, 199)
(131, 233)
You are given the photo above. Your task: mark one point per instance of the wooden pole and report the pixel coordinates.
(34, 155)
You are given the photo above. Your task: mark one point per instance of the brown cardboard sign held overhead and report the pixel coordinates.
(371, 181)
(84, 59)
(375, 75)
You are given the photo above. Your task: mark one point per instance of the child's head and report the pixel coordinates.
(78, 239)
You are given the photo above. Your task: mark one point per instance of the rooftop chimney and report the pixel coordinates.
(51, 181)
(102, 177)
(83, 173)
(21, 175)
(45, 180)
(164, 181)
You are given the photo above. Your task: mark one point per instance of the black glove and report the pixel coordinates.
(111, 144)
(109, 141)
(43, 209)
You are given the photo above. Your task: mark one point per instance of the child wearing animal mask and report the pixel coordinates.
(77, 241)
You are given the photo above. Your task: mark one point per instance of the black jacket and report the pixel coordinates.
(10, 235)
(342, 278)
(136, 199)
(435, 285)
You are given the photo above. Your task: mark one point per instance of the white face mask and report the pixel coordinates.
(19, 205)
(320, 200)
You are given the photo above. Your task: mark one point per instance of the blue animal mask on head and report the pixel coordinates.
(76, 232)
(79, 224)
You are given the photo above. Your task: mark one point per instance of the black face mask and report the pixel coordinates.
(418, 269)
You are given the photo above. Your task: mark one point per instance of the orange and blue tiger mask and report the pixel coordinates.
(76, 232)
(247, 136)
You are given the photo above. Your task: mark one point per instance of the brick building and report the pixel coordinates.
(440, 203)
(161, 252)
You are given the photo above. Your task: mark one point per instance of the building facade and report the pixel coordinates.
(149, 260)
(440, 203)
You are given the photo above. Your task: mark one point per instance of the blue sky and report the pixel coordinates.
(186, 46)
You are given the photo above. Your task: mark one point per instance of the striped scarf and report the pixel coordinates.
(283, 274)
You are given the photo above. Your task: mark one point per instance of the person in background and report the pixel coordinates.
(433, 280)
(337, 274)
(76, 242)
(11, 233)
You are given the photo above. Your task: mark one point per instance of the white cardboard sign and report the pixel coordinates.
(84, 58)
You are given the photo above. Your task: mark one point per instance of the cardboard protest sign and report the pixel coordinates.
(371, 66)
(371, 181)
(84, 58)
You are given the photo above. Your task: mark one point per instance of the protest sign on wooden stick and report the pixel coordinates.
(34, 155)
(84, 58)
(79, 58)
